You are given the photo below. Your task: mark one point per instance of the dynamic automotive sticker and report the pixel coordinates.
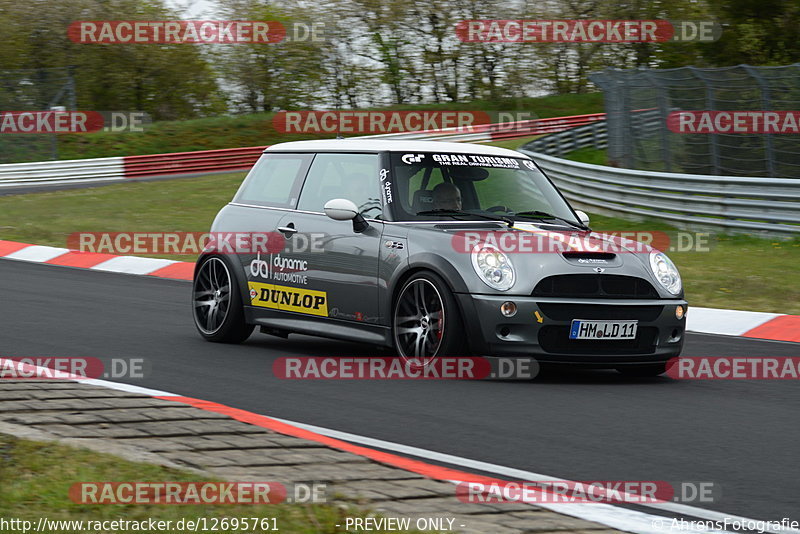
(281, 269)
(386, 186)
(286, 298)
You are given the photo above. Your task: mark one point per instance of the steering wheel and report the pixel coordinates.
(498, 208)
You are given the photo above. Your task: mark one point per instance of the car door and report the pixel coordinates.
(269, 190)
(326, 261)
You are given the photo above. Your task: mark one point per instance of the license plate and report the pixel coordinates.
(599, 330)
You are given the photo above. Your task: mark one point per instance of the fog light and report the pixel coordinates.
(508, 308)
(679, 312)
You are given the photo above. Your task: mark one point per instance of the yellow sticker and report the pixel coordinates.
(288, 298)
(539, 318)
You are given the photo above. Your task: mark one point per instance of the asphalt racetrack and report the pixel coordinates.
(583, 425)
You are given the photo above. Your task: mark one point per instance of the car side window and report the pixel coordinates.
(275, 180)
(350, 176)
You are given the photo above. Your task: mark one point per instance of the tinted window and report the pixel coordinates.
(350, 176)
(490, 185)
(274, 180)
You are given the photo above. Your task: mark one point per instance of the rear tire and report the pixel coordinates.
(426, 322)
(217, 306)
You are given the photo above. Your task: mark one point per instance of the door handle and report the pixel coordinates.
(288, 231)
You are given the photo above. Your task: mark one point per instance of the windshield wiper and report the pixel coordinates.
(544, 215)
(508, 220)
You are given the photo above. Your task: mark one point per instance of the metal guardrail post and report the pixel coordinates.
(713, 138)
(663, 110)
(769, 150)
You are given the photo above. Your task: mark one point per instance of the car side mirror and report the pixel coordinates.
(341, 209)
(582, 217)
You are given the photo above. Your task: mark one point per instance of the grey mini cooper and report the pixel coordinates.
(434, 249)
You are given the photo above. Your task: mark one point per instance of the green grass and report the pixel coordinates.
(514, 144)
(594, 156)
(36, 478)
(738, 273)
(246, 130)
(185, 204)
(743, 273)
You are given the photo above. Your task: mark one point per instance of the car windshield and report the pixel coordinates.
(445, 186)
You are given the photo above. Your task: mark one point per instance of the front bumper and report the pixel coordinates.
(540, 329)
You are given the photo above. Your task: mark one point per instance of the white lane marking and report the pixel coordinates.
(129, 388)
(725, 322)
(24, 370)
(44, 373)
(132, 265)
(37, 253)
(518, 474)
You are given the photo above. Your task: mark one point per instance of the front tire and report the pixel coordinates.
(426, 322)
(217, 305)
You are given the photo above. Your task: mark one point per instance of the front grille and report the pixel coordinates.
(555, 339)
(567, 312)
(595, 286)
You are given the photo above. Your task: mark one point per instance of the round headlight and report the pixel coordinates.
(493, 267)
(665, 272)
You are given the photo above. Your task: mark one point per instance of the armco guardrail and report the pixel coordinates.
(44, 174)
(105, 170)
(595, 134)
(727, 203)
(765, 204)
(587, 135)
(50, 173)
(496, 132)
(201, 162)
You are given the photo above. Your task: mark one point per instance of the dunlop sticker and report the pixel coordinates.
(288, 298)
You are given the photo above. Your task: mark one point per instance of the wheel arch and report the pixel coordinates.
(232, 263)
(454, 282)
(426, 262)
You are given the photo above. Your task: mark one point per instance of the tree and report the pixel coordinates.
(165, 81)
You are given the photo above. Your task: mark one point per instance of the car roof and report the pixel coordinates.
(392, 145)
